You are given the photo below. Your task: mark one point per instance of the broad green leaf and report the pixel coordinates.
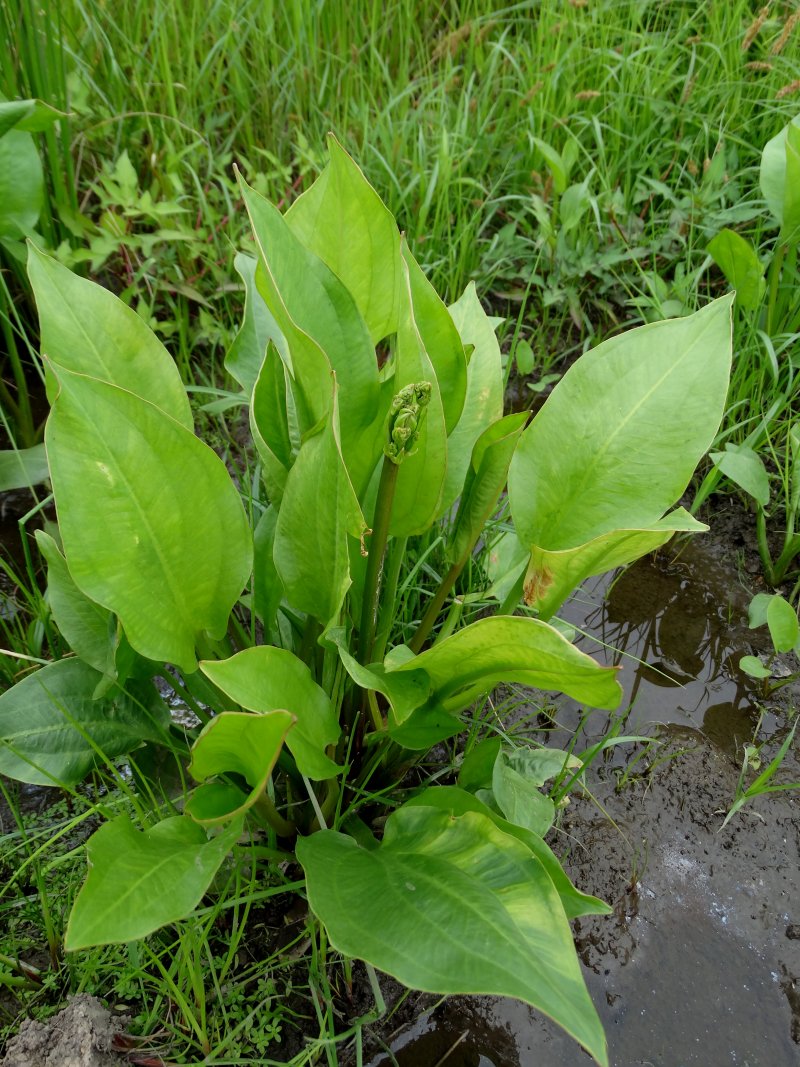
(478, 765)
(139, 881)
(420, 481)
(86, 625)
(512, 649)
(739, 262)
(757, 610)
(746, 469)
(753, 666)
(318, 510)
(573, 205)
(451, 904)
(269, 424)
(152, 526)
(217, 802)
(506, 563)
(342, 220)
(267, 586)
(52, 731)
(618, 439)
(235, 742)
(485, 481)
(23, 467)
(308, 364)
(441, 340)
(539, 765)
(457, 801)
(21, 184)
(265, 678)
(541, 384)
(323, 329)
(424, 728)
(204, 692)
(790, 228)
(558, 167)
(258, 328)
(483, 404)
(552, 576)
(524, 357)
(519, 798)
(398, 656)
(773, 173)
(405, 692)
(86, 329)
(517, 776)
(33, 116)
(784, 628)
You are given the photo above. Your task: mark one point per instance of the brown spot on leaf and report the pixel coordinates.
(537, 582)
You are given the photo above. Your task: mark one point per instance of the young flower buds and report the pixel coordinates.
(406, 413)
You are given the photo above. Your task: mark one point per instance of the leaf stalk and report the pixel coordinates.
(380, 535)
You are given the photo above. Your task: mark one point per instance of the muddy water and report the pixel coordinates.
(700, 963)
(676, 625)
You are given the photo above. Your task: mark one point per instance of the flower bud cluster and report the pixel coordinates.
(405, 419)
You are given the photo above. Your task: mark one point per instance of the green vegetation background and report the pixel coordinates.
(573, 157)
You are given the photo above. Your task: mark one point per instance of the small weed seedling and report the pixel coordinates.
(778, 615)
(751, 761)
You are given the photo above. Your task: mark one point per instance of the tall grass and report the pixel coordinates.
(665, 108)
(662, 108)
(449, 107)
(439, 102)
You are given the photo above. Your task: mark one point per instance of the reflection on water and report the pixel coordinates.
(438, 1043)
(676, 623)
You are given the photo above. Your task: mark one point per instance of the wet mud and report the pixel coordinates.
(700, 962)
(83, 1034)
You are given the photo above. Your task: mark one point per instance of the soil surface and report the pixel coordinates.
(82, 1035)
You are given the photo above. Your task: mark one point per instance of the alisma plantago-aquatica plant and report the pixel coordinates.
(273, 607)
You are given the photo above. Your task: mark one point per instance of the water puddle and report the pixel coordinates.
(700, 963)
(676, 623)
